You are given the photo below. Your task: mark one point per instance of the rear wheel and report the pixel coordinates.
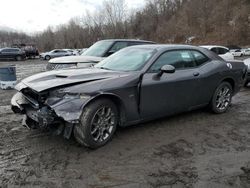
(222, 98)
(97, 124)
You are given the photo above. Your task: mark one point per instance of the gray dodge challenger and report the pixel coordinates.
(134, 85)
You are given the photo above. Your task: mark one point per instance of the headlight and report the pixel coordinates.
(71, 96)
(68, 95)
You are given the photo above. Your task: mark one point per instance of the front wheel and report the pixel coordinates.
(47, 57)
(97, 124)
(18, 58)
(222, 98)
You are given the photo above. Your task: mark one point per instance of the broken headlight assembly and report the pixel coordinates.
(67, 95)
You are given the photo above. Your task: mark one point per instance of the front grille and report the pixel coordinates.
(54, 66)
(36, 99)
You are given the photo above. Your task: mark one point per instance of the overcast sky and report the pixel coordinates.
(36, 15)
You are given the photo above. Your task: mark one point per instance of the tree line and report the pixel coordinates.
(225, 22)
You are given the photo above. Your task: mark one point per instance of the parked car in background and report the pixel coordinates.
(246, 52)
(55, 53)
(94, 54)
(69, 50)
(12, 53)
(247, 63)
(237, 53)
(136, 84)
(222, 51)
(31, 51)
(73, 51)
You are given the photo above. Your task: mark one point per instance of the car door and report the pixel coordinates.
(63, 53)
(170, 93)
(5, 54)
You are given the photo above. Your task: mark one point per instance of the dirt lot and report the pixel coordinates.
(196, 149)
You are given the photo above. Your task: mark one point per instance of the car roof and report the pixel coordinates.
(9, 49)
(213, 46)
(128, 40)
(167, 46)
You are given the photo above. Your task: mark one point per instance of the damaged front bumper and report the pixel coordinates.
(59, 113)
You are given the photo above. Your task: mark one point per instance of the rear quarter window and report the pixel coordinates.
(199, 58)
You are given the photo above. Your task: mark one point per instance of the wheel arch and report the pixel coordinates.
(117, 101)
(231, 81)
(47, 56)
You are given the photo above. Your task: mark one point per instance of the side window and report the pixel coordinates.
(6, 50)
(222, 51)
(199, 58)
(179, 59)
(118, 45)
(14, 50)
(215, 50)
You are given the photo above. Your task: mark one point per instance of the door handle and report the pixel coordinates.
(196, 74)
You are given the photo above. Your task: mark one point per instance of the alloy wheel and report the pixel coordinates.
(102, 124)
(223, 98)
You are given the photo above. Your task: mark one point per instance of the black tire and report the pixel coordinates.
(18, 58)
(221, 102)
(246, 83)
(47, 57)
(85, 133)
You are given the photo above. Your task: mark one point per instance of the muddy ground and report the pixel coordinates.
(196, 149)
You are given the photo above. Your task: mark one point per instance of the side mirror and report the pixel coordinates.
(166, 69)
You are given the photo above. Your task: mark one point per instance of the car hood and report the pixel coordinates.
(76, 59)
(63, 78)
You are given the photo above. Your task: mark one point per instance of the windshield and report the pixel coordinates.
(98, 49)
(128, 59)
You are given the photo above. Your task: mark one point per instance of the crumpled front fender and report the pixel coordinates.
(69, 110)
